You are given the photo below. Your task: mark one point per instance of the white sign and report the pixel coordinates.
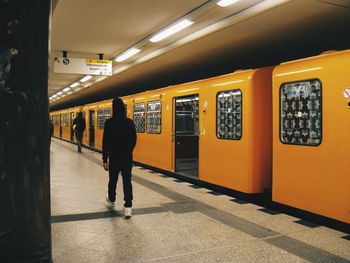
(346, 93)
(83, 66)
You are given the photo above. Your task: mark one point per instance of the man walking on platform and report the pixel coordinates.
(119, 140)
(79, 127)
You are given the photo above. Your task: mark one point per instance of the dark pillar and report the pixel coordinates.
(25, 232)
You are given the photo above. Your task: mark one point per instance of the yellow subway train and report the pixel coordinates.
(284, 128)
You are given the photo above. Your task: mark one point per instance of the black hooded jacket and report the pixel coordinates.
(80, 123)
(119, 135)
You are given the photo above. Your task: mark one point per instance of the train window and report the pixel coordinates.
(154, 117)
(65, 120)
(229, 114)
(100, 119)
(139, 117)
(55, 120)
(187, 114)
(301, 112)
(106, 114)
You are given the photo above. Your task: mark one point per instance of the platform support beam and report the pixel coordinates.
(25, 231)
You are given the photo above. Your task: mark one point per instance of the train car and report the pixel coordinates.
(63, 123)
(311, 128)
(216, 130)
(290, 122)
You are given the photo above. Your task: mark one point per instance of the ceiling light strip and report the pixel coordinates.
(171, 30)
(224, 3)
(131, 52)
(86, 78)
(74, 84)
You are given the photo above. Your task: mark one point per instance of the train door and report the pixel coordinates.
(71, 126)
(186, 132)
(60, 125)
(92, 128)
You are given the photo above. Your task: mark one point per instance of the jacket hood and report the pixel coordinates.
(118, 108)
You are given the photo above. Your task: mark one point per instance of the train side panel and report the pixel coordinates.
(240, 161)
(153, 146)
(311, 127)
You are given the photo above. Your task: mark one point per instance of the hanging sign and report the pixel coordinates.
(84, 66)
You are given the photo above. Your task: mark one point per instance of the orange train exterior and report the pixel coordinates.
(292, 131)
(313, 175)
(243, 164)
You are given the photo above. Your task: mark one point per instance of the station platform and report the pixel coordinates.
(173, 221)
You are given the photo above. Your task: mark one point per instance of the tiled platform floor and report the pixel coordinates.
(173, 221)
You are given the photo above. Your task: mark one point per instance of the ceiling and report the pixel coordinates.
(246, 34)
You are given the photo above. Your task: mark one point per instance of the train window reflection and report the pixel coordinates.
(187, 115)
(229, 114)
(301, 112)
(154, 117)
(139, 117)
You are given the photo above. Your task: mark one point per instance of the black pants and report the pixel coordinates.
(79, 136)
(116, 166)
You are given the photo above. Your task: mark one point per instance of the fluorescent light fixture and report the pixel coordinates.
(59, 93)
(54, 96)
(225, 3)
(171, 30)
(127, 54)
(86, 78)
(66, 89)
(74, 84)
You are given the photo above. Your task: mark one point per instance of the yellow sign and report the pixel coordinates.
(97, 61)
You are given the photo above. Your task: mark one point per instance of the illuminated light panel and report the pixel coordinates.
(127, 54)
(59, 93)
(171, 30)
(74, 84)
(224, 3)
(66, 89)
(86, 78)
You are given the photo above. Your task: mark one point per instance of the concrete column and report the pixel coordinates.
(25, 232)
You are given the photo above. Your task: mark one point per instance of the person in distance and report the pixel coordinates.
(79, 128)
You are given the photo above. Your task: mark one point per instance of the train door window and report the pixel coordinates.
(100, 119)
(186, 135)
(61, 124)
(139, 117)
(154, 116)
(186, 119)
(301, 112)
(106, 114)
(65, 120)
(229, 114)
(55, 120)
(92, 128)
(71, 119)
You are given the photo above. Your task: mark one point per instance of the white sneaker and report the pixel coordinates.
(127, 212)
(109, 203)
